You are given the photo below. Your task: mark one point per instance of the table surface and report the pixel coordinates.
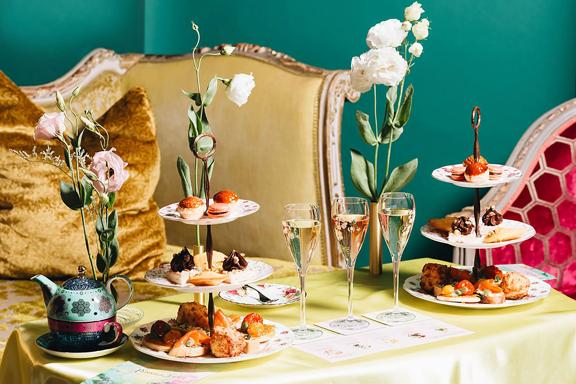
(532, 343)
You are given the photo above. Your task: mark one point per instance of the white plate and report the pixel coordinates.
(157, 276)
(282, 339)
(286, 295)
(537, 291)
(241, 209)
(471, 241)
(509, 174)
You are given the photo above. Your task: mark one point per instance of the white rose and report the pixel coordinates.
(240, 88)
(413, 12)
(361, 74)
(406, 26)
(416, 49)
(388, 33)
(420, 29)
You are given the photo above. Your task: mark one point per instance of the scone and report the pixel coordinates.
(515, 285)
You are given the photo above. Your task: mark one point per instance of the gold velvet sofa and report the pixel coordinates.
(282, 146)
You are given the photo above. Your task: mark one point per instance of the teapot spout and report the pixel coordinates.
(49, 288)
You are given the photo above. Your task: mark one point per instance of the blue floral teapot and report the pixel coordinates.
(82, 312)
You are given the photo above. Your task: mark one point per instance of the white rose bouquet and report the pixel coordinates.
(238, 90)
(388, 62)
(91, 182)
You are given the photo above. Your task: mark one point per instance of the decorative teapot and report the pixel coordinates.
(82, 312)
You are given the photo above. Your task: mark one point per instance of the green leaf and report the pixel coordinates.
(391, 97)
(365, 128)
(67, 158)
(113, 221)
(100, 263)
(184, 172)
(99, 225)
(194, 96)
(111, 199)
(86, 191)
(211, 91)
(195, 126)
(114, 250)
(405, 108)
(70, 196)
(210, 170)
(107, 236)
(401, 176)
(362, 172)
(385, 134)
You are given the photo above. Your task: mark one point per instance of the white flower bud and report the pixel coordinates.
(416, 49)
(413, 12)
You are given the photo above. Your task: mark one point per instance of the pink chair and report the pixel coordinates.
(545, 197)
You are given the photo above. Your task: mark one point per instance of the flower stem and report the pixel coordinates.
(377, 146)
(86, 242)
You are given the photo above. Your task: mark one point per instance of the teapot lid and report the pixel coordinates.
(81, 282)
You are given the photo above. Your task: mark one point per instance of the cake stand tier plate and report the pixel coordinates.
(509, 174)
(282, 340)
(255, 271)
(537, 291)
(471, 241)
(240, 209)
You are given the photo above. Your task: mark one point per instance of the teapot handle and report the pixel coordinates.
(125, 279)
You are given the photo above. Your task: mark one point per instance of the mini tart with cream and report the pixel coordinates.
(181, 267)
(191, 208)
(477, 172)
(226, 197)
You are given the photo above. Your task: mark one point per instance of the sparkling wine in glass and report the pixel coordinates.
(301, 228)
(350, 222)
(396, 211)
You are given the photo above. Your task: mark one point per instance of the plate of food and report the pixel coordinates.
(190, 273)
(442, 284)
(224, 207)
(276, 295)
(235, 338)
(476, 174)
(495, 231)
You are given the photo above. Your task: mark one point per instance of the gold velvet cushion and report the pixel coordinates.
(38, 234)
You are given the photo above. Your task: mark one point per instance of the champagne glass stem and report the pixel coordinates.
(302, 301)
(396, 267)
(350, 273)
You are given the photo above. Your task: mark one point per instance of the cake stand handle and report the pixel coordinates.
(475, 119)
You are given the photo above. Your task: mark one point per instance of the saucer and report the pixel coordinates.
(47, 343)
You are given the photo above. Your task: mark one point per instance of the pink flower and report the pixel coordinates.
(50, 126)
(109, 167)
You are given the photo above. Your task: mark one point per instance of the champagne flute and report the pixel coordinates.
(396, 211)
(301, 228)
(350, 222)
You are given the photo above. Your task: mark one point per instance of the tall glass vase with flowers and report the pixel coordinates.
(394, 46)
(91, 182)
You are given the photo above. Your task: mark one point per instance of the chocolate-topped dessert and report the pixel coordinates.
(235, 260)
(463, 225)
(182, 260)
(492, 217)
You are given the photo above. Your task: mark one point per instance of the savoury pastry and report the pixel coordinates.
(444, 224)
(504, 234)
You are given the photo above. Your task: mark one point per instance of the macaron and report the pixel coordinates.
(457, 172)
(495, 171)
(217, 210)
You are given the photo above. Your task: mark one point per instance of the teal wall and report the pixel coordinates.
(515, 59)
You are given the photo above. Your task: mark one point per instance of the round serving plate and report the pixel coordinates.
(259, 269)
(47, 343)
(471, 241)
(509, 174)
(537, 291)
(246, 297)
(282, 340)
(240, 209)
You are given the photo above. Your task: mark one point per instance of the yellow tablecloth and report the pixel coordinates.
(535, 343)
